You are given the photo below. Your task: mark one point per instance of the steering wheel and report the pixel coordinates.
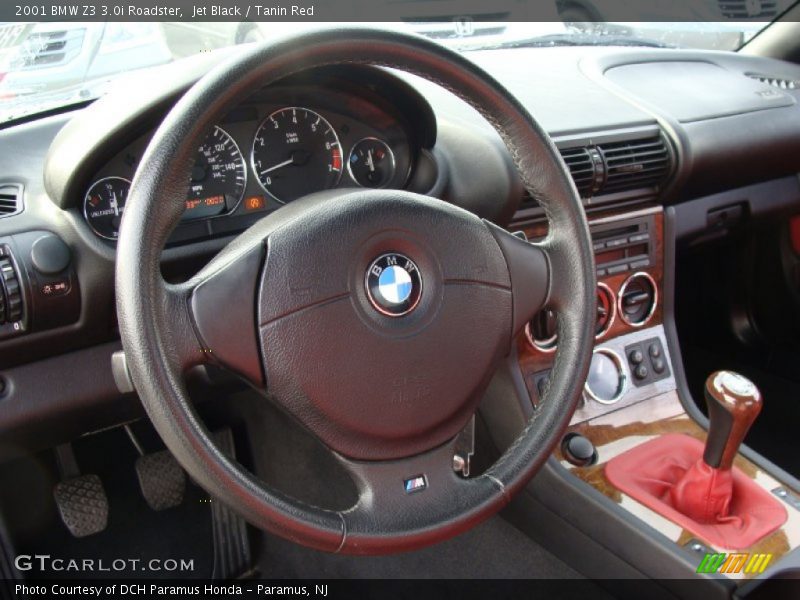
(376, 318)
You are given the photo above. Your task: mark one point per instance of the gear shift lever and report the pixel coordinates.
(705, 490)
(696, 485)
(733, 404)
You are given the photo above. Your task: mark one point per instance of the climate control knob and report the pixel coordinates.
(638, 298)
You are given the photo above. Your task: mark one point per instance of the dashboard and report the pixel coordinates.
(628, 150)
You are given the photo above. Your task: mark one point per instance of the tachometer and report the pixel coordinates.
(296, 152)
(218, 177)
(103, 205)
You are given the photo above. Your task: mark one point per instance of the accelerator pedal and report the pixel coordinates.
(81, 499)
(231, 544)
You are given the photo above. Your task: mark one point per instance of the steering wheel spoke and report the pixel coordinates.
(422, 490)
(221, 302)
(185, 350)
(529, 269)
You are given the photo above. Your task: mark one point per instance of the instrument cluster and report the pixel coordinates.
(266, 154)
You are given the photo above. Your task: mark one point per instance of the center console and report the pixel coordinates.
(631, 360)
(633, 397)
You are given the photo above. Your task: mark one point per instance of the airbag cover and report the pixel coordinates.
(369, 385)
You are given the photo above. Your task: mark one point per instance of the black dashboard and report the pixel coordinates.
(625, 145)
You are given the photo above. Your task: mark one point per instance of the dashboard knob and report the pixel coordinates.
(578, 450)
(50, 255)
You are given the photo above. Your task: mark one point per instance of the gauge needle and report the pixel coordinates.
(370, 162)
(114, 204)
(278, 166)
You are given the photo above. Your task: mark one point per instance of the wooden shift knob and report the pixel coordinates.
(733, 404)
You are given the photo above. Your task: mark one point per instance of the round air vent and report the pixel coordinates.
(606, 382)
(541, 330)
(638, 298)
(606, 310)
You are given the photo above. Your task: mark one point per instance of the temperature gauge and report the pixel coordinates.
(371, 163)
(103, 205)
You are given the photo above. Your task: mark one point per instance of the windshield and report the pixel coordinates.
(44, 66)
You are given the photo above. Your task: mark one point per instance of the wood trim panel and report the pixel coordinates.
(533, 360)
(618, 431)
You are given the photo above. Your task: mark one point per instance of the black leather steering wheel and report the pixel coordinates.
(295, 305)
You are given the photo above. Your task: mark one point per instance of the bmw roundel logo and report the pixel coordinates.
(394, 284)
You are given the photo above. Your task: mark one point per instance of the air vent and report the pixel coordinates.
(634, 164)
(581, 168)
(10, 199)
(616, 167)
(778, 82)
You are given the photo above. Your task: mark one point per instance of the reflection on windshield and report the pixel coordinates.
(48, 65)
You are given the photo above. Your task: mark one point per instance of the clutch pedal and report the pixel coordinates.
(81, 499)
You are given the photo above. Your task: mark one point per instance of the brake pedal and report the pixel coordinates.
(81, 499)
(161, 479)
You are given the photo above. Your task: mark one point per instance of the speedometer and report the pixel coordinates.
(296, 152)
(218, 177)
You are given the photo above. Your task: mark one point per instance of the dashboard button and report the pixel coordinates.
(654, 350)
(578, 450)
(641, 372)
(617, 269)
(55, 288)
(658, 365)
(636, 356)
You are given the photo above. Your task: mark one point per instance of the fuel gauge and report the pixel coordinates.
(371, 163)
(104, 204)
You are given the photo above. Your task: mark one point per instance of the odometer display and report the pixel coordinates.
(296, 152)
(218, 177)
